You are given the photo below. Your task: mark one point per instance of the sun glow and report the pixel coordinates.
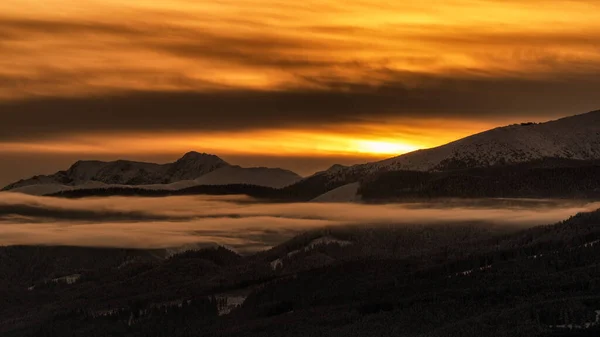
(369, 141)
(383, 147)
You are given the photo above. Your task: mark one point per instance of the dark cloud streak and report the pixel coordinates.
(320, 92)
(247, 110)
(45, 213)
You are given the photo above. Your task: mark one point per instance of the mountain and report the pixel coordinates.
(512, 161)
(192, 169)
(574, 138)
(123, 172)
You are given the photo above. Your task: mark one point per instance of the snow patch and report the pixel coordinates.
(226, 304)
(346, 193)
(69, 279)
(326, 240)
(276, 264)
(470, 271)
(106, 312)
(586, 325)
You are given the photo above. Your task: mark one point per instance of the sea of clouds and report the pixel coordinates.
(240, 222)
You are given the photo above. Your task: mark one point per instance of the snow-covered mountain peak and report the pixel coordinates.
(198, 157)
(576, 137)
(193, 165)
(192, 169)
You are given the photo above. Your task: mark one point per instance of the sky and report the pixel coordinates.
(296, 84)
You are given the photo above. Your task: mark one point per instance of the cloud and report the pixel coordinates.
(461, 99)
(274, 46)
(42, 212)
(237, 221)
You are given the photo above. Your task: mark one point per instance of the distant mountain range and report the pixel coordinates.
(192, 169)
(570, 143)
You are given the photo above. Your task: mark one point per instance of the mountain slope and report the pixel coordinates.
(259, 176)
(576, 138)
(547, 178)
(345, 193)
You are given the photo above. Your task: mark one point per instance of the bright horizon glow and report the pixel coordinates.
(383, 147)
(374, 141)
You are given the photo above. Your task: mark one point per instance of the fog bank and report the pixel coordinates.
(239, 222)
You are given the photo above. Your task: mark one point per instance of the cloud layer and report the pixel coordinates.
(104, 46)
(238, 222)
(235, 65)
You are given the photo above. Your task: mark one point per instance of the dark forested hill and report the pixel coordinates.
(542, 179)
(454, 280)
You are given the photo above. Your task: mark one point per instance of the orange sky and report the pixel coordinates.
(369, 140)
(111, 45)
(97, 48)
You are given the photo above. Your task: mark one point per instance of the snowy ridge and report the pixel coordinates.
(576, 137)
(123, 172)
(192, 169)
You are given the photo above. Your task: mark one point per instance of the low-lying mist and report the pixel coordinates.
(240, 222)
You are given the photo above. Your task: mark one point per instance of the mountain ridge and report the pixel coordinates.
(181, 173)
(573, 137)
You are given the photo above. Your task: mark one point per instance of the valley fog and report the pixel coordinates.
(240, 222)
